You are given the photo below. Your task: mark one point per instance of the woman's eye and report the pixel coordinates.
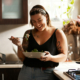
(40, 20)
(33, 21)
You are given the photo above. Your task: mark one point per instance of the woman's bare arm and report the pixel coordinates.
(23, 47)
(61, 46)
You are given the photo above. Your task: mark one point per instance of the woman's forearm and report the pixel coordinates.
(20, 53)
(59, 58)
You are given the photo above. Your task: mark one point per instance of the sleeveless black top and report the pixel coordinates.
(49, 45)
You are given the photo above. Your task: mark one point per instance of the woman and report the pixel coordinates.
(44, 37)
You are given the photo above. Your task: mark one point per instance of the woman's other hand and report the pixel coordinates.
(47, 57)
(15, 41)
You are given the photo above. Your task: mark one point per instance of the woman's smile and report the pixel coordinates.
(40, 28)
(39, 21)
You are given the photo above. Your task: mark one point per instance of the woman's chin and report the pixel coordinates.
(40, 29)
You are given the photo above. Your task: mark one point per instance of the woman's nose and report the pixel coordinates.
(37, 24)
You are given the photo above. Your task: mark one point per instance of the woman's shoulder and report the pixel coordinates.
(60, 34)
(28, 31)
(59, 31)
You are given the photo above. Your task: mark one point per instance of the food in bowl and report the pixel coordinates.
(34, 54)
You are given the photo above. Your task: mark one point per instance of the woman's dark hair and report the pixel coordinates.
(40, 9)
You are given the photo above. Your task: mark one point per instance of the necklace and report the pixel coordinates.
(36, 36)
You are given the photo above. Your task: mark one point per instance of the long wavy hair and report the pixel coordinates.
(40, 9)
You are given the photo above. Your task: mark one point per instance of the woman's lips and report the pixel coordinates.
(40, 27)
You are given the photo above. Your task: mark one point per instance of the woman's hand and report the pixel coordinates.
(15, 41)
(47, 57)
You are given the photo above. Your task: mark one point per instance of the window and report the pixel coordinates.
(13, 11)
(55, 8)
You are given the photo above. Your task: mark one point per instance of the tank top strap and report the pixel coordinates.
(55, 30)
(55, 34)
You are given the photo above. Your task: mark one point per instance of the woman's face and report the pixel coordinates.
(39, 21)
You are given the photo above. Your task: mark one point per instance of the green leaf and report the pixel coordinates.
(64, 22)
(59, 6)
(72, 2)
(69, 7)
(68, 15)
(26, 51)
(35, 50)
(67, 21)
(64, 12)
(42, 51)
(68, 10)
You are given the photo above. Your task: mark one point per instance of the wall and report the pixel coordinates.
(79, 8)
(76, 10)
(6, 31)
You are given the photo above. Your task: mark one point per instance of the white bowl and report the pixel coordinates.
(34, 54)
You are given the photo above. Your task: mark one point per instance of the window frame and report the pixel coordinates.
(23, 20)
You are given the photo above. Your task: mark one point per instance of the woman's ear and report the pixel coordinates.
(47, 18)
(31, 22)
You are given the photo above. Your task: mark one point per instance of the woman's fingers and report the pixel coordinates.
(43, 59)
(47, 52)
(15, 40)
(11, 38)
(46, 57)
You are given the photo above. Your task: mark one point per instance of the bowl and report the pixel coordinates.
(34, 54)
